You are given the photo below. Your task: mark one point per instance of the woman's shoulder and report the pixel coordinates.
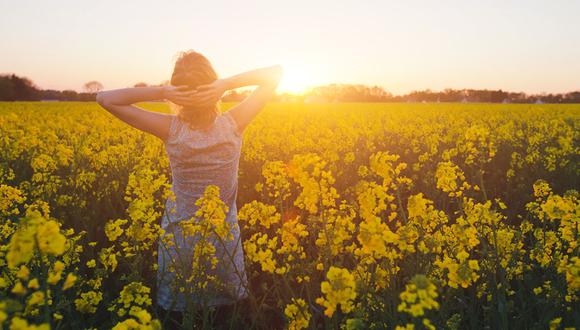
(174, 126)
(179, 129)
(231, 122)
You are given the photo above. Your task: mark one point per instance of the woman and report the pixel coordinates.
(203, 146)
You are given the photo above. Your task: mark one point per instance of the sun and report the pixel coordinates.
(295, 80)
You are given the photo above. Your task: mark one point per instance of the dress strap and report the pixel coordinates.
(232, 122)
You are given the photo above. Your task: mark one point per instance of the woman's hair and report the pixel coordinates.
(193, 69)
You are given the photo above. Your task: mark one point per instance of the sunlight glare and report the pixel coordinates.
(295, 80)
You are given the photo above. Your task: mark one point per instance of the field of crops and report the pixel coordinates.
(353, 216)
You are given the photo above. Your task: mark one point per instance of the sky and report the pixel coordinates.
(529, 46)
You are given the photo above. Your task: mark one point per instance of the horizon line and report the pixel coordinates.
(79, 91)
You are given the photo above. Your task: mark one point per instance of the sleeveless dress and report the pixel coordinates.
(199, 158)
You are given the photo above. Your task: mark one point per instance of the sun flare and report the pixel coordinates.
(296, 80)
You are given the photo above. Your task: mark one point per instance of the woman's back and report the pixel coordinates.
(200, 158)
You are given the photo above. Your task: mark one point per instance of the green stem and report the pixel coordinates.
(482, 184)
(401, 205)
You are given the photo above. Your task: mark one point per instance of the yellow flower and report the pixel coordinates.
(21, 324)
(417, 206)
(257, 213)
(33, 284)
(113, 229)
(372, 199)
(428, 325)
(108, 258)
(49, 238)
(310, 173)
(260, 249)
(291, 234)
(23, 272)
(462, 273)
(419, 295)
(58, 266)
(339, 289)
(276, 176)
(297, 314)
(374, 237)
(555, 323)
(133, 295)
(213, 211)
(571, 269)
(19, 289)
(541, 189)
(21, 246)
(448, 175)
(55, 274)
(36, 298)
(10, 197)
(69, 281)
(88, 301)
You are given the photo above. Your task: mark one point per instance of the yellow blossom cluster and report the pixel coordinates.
(419, 296)
(35, 232)
(297, 314)
(338, 289)
(310, 173)
(132, 299)
(462, 271)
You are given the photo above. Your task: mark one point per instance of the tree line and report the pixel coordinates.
(363, 93)
(16, 88)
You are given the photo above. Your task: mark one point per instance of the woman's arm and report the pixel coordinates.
(119, 103)
(266, 78)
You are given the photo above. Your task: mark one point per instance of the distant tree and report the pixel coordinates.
(140, 84)
(93, 87)
(451, 95)
(6, 89)
(15, 88)
(70, 95)
(348, 93)
(378, 94)
(572, 97)
(498, 96)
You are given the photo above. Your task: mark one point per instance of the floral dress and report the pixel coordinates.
(199, 158)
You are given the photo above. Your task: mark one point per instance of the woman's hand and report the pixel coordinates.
(204, 95)
(209, 94)
(182, 95)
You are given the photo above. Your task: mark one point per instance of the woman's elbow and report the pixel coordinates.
(278, 72)
(101, 99)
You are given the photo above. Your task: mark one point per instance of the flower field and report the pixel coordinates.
(353, 216)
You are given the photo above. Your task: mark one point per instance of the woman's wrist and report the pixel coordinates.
(165, 91)
(225, 84)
